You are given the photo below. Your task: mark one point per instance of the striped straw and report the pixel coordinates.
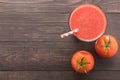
(68, 33)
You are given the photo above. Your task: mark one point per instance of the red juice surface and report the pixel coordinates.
(89, 20)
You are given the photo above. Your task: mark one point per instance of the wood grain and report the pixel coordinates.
(59, 75)
(54, 5)
(31, 47)
(34, 58)
(41, 27)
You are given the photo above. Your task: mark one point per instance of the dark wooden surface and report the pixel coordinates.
(30, 46)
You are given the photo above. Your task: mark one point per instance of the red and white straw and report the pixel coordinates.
(68, 33)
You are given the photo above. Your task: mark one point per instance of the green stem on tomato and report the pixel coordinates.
(107, 45)
(81, 64)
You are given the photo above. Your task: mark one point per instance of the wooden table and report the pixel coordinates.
(31, 47)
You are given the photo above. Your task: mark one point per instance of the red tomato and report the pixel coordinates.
(82, 61)
(106, 46)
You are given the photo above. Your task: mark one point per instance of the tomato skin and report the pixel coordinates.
(102, 50)
(88, 57)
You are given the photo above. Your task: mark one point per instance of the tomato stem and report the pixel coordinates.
(107, 44)
(81, 64)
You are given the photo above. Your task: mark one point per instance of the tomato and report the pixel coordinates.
(106, 46)
(82, 61)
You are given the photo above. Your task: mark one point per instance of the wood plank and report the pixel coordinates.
(109, 6)
(46, 1)
(32, 17)
(35, 58)
(59, 75)
(55, 5)
(48, 45)
(33, 27)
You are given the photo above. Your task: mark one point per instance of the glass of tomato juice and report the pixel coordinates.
(87, 22)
